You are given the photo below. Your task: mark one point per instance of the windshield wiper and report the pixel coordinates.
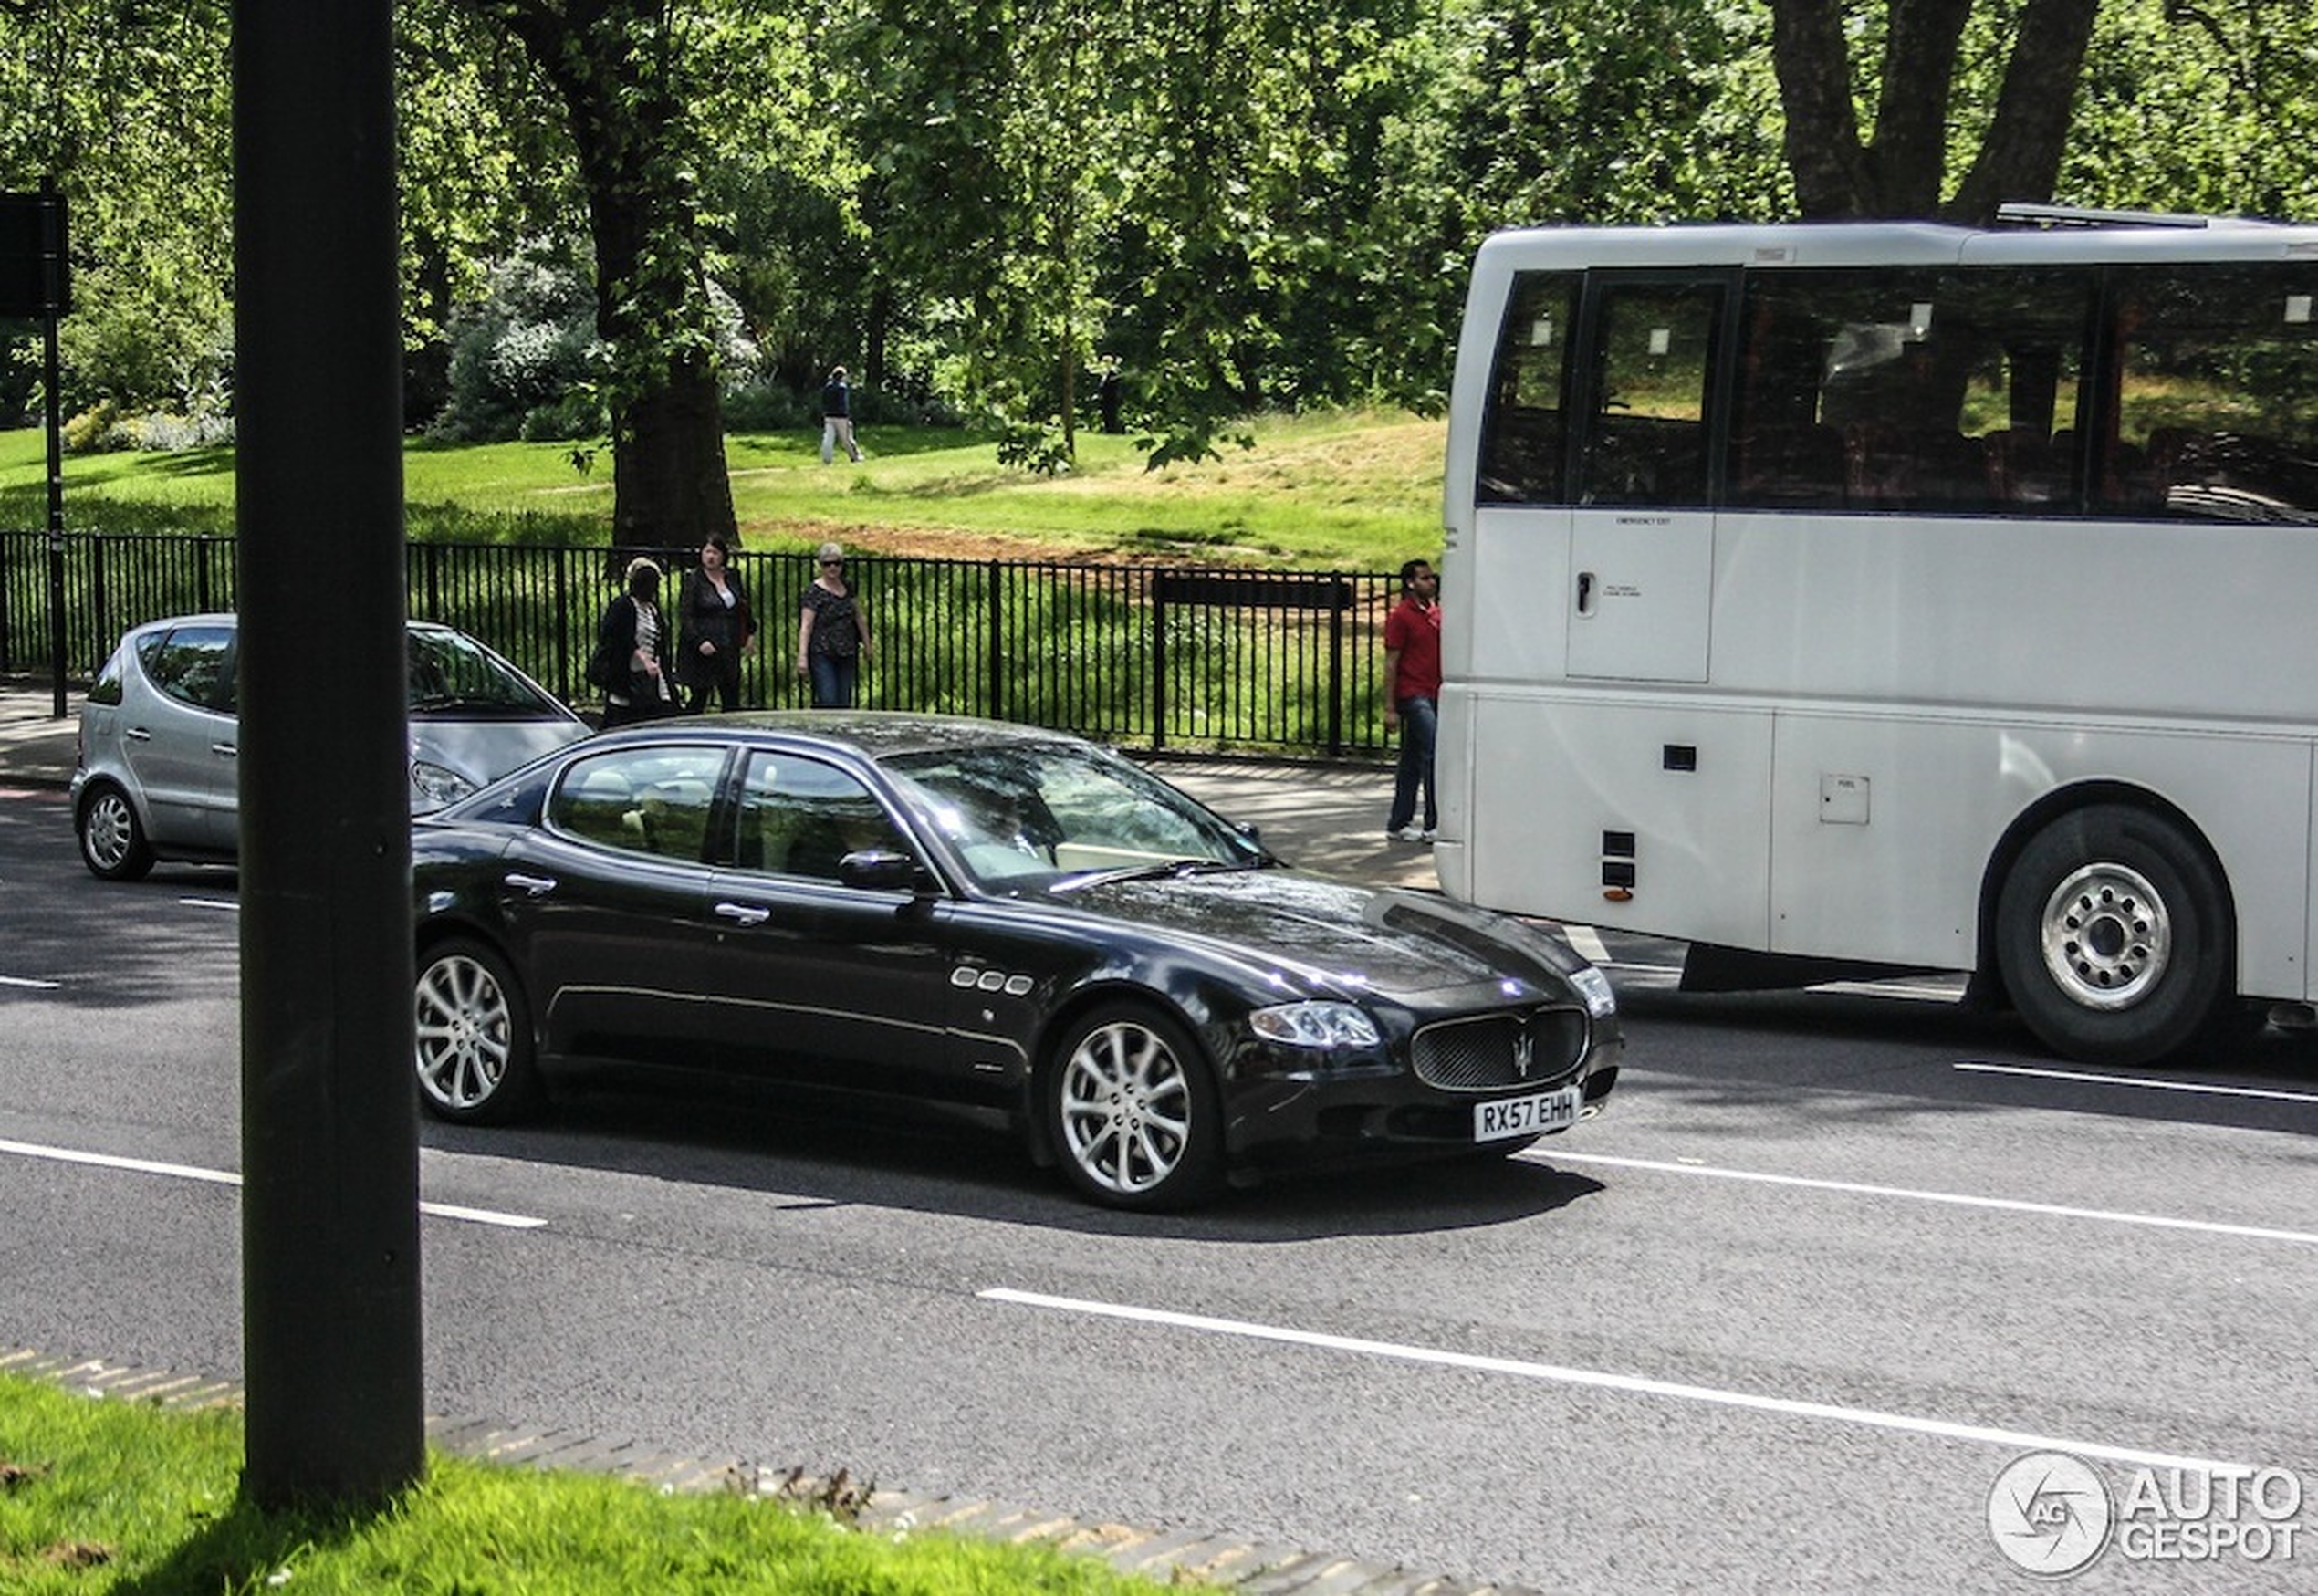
(1159, 870)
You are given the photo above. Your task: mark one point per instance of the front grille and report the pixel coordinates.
(1485, 1053)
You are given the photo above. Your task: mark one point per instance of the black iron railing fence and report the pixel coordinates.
(1144, 656)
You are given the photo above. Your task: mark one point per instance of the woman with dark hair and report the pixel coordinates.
(712, 611)
(632, 635)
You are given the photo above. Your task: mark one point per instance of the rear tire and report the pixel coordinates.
(112, 840)
(2113, 936)
(475, 1057)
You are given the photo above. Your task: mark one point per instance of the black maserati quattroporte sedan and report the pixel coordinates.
(989, 917)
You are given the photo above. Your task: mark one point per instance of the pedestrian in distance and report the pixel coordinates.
(631, 639)
(1111, 393)
(837, 417)
(832, 634)
(716, 623)
(1413, 688)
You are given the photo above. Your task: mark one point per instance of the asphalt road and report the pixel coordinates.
(1776, 1322)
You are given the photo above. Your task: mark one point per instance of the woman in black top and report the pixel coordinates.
(832, 634)
(712, 611)
(634, 633)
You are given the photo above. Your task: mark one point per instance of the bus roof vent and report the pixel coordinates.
(2020, 214)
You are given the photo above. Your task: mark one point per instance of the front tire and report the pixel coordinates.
(112, 840)
(2113, 936)
(475, 1057)
(1134, 1112)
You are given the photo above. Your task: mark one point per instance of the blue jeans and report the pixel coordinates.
(834, 679)
(1419, 721)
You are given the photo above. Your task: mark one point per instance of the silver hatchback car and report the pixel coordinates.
(156, 775)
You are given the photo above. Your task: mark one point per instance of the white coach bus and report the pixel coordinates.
(1897, 596)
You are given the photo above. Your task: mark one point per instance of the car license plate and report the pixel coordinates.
(1526, 1116)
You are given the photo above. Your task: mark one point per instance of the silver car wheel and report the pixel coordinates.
(467, 1032)
(112, 844)
(1126, 1107)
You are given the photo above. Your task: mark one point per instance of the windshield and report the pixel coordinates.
(450, 673)
(1029, 815)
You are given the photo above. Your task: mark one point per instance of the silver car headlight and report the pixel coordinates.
(1594, 987)
(1315, 1025)
(438, 784)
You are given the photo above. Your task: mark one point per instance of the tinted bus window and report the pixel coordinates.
(2215, 411)
(1654, 356)
(1524, 436)
(1890, 390)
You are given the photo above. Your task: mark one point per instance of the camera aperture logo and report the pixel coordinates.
(2050, 1514)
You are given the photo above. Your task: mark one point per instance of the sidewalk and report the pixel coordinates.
(1326, 818)
(36, 748)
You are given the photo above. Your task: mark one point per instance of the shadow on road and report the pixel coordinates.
(709, 1134)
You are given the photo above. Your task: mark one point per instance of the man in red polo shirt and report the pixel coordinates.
(1413, 682)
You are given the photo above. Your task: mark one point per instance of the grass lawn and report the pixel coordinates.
(100, 1495)
(1339, 490)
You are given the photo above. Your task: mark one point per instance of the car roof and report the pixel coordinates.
(228, 618)
(873, 734)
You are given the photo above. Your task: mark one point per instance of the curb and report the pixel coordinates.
(1168, 1557)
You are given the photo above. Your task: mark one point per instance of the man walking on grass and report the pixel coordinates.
(837, 417)
(1413, 695)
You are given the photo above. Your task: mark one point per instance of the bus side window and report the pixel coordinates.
(2215, 411)
(1524, 435)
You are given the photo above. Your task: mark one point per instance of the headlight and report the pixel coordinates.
(438, 784)
(1315, 1025)
(1594, 987)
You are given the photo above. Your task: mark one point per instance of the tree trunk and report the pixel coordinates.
(2020, 157)
(607, 60)
(1902, 173)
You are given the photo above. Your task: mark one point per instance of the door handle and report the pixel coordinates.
(225, 750)
(138, 735)
(744, 913)
(1585, 593)
(531, 886)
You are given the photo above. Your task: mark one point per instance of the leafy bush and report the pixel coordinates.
(578, 413)
(95, 430)
(769, 406)
(104, 427)
(528, 349)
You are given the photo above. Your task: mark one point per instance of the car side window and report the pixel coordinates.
(798, 817)
(639, 800)
(192, 664)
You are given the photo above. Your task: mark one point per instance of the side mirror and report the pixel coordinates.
(878, 870)
(1249, 829)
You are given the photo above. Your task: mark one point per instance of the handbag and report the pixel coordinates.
(605, 667)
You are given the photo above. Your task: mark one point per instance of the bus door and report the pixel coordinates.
(1642, 534)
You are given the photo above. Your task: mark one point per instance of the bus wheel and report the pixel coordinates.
(2113, 936)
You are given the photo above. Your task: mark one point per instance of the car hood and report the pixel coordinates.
(1397, 943)
(484, 750)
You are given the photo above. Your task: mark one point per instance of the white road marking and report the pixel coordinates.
(1588, 943)
(28, 981)
(225, 904)
(2014, 1440)
(1554, 1155)
(222, 1177)
(2144, 1084)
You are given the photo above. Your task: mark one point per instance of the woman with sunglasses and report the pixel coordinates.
(832, 634)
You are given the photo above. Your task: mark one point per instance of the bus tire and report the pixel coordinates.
(2113, 935)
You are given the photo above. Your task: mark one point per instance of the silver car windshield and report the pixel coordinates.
(1051, 816)
(450, 673)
